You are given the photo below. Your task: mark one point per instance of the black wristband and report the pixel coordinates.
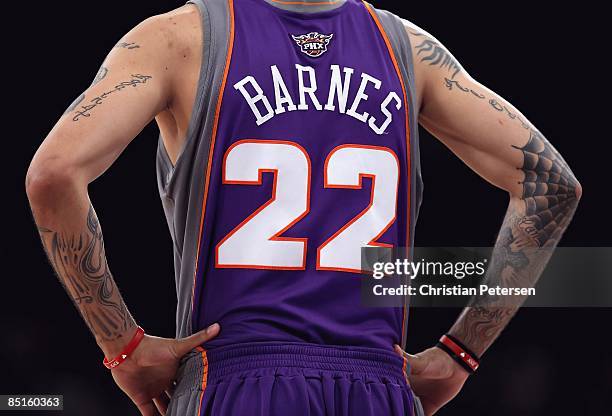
(458, 352)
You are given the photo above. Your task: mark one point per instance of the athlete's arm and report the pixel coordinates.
(134, 85)
(495, 140)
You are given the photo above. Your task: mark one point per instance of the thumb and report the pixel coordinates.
(417, 363)
(184, 345)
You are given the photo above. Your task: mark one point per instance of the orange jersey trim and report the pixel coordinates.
(276, 236)
(408, 151)
(326, 184)
(228, 60)
(303, 3)
(204, 377)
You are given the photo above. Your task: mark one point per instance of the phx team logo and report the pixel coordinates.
(313, 44)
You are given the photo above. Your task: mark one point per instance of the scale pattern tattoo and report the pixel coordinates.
(533, 224)
(79, 261)
(549, 192)
(532, 228)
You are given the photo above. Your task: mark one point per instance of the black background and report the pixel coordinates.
(549, 62)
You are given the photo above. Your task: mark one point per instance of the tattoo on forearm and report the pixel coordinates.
(531, 229)
(127, 45)
(85, 110)
(431, 51)
(80, 263)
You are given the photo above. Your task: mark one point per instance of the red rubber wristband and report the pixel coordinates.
(462, 354)
(129, 349)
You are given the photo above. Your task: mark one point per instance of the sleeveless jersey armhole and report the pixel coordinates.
(400, 43)
(181, 186)
(203, 89)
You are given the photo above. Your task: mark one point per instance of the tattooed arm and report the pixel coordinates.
(502, 146)
(127, 92)
(137, 82)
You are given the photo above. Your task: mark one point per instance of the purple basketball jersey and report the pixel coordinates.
(309, 161)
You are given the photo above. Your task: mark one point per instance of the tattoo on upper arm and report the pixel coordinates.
(85, 110)
(100, 75)
(431, 51)
(80, 263)
(75, 103)
(127, 45)
(453, 84)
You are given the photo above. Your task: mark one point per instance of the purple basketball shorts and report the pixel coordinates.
(281, 379)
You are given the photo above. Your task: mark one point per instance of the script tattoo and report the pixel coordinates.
(79, 261)
(531, 230)
(85, 109)
(453, 85)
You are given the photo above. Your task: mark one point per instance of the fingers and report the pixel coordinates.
(399, 350)
(170, 390)
(148, 409)
(184, 345)
(161, 403)
(417, 363)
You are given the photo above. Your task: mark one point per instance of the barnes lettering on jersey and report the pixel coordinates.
(338, 93)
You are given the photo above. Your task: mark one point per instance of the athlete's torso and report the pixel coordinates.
(302, 153)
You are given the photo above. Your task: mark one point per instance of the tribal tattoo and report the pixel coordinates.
(431, 51)
(100, 75)
(127, 45)
(79, 261)
(75, 103)
(531, 230)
